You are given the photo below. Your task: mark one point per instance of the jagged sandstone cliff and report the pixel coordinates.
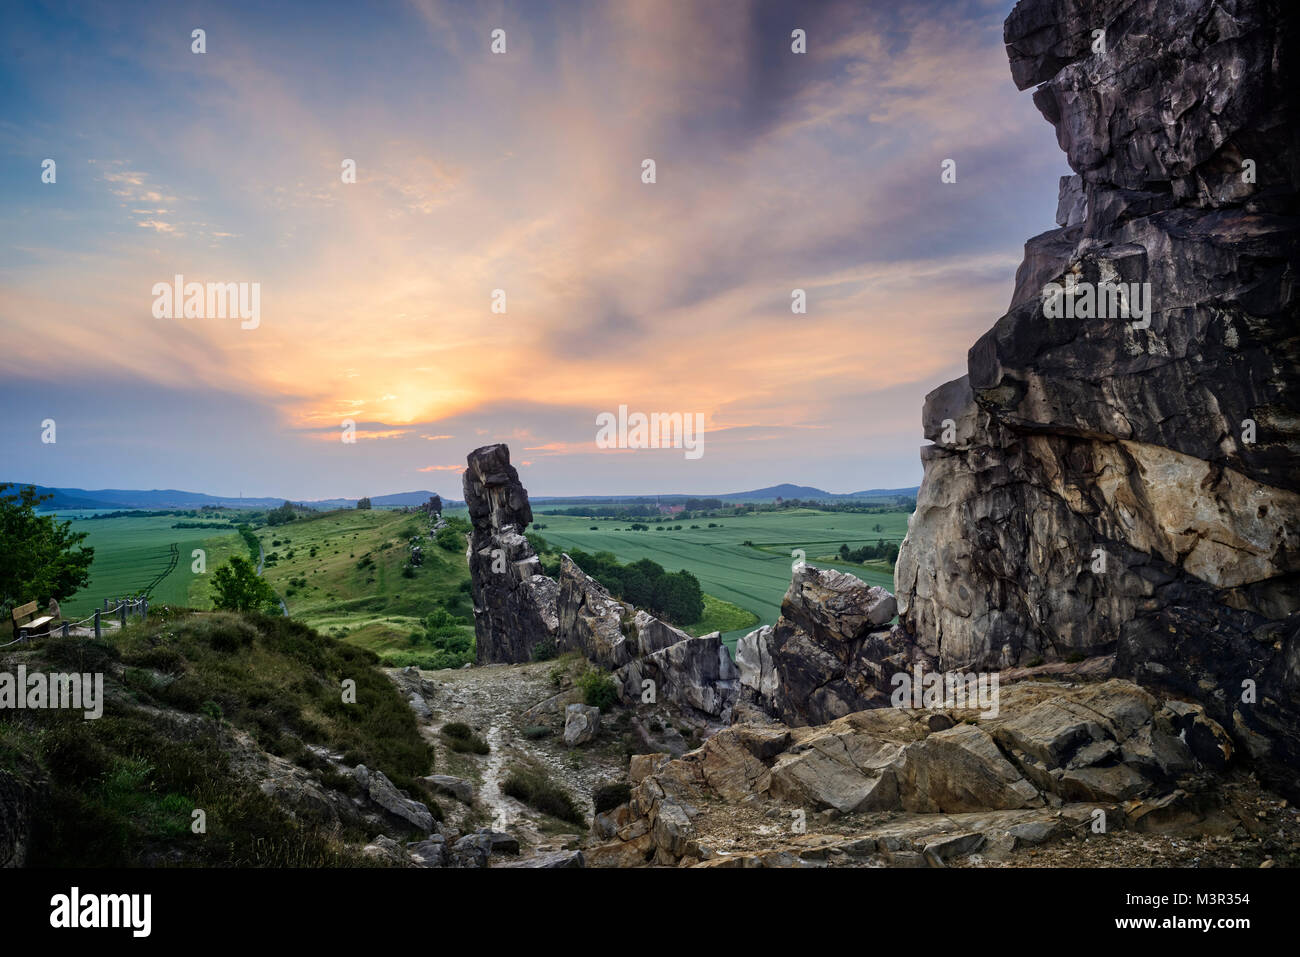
(1094, 486)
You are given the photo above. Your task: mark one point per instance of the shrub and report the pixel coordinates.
(598, 689)
(609, 796)
(534, 788)
(450, 539)
(536, 731)
(461, 738)
(545, 650)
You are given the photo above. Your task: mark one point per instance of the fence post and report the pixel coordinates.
(67, 630)
(105, 604)
(98, 633)
(121, 613)
(144, 613)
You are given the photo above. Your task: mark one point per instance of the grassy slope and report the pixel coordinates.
(120, 790)
(374, 607)
(752, 577)
(131, 552)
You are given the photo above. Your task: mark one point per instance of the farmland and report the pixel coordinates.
(341, 571)
(753, 576)
(131, 553)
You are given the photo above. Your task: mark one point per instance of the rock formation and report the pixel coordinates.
(591, 621)
(942, 782)
(696, 675)
(1129, 482)
(514, 603)
(831, 652)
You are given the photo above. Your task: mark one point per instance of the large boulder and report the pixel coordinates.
(832, 651)
(384, 794)
(581, 724)
(1130, 484)
(514, 603)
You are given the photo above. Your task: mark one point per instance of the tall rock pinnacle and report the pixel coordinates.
(514, 603)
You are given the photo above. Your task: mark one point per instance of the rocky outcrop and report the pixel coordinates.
(383, 793)
(1124, 477)
(948, 781)
(830, 653)
(696, 675)
(514, 603)
(590, 621)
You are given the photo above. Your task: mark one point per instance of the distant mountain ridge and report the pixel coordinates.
(110, 498)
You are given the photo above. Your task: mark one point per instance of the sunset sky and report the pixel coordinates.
(521, 172)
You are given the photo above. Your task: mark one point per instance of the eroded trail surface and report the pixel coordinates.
(501, 704)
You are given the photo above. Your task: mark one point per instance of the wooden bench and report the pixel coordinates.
(28, 611)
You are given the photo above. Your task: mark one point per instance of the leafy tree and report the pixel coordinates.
(237, 587)
(363, 503)
(678, 598)
(40, 558)
(282, 515)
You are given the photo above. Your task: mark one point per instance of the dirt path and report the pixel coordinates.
(492, 700)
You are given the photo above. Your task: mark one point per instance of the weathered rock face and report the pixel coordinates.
(1053, 753)
(514, 603)
(591, 622)
(696, 674)
(1095, 486)
(831, 652)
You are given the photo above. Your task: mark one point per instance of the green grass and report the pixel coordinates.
(354, 587)
(120, 790)
(722, 616)
(752, 577)
(131, 553)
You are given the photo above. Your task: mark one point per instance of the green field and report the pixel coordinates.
(375, 606)
(755, 576)
(131, 554)
(372, 604)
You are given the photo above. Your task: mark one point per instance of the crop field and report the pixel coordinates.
(131, 554)
(753, 576)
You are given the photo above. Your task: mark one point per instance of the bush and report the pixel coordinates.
(598, 689)
(609, 796)
(535, 731)
(534, 788)
(545, 650)
(450, 539)
(461, 738)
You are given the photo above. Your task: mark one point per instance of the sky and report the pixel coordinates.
(519, 171)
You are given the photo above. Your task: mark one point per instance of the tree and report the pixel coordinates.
(237, 587)
(282, 515)
(678, 598)
(40, 558)
(363, 503)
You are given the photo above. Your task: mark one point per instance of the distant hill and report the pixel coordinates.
(769, 494)
(114, 498)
